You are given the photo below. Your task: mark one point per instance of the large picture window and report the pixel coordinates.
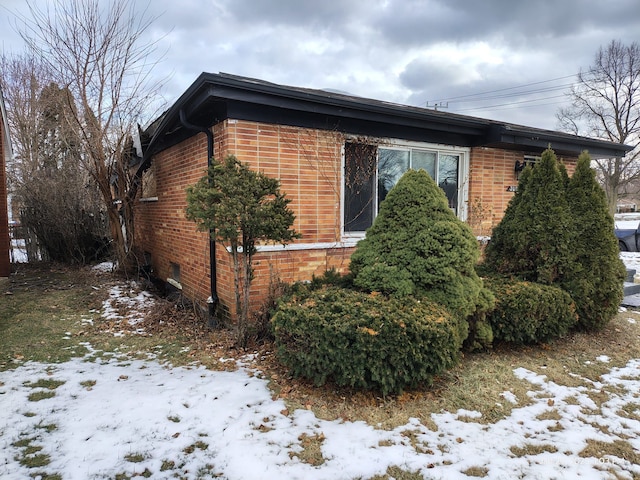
(370, 172)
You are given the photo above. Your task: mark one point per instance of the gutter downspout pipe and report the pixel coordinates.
(213, 300)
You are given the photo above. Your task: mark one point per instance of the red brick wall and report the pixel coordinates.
(161, 226)
(308, 164)
(5, 266)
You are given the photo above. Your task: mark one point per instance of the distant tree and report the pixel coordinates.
(59, 204)
(22, 78)
(596, 284)
(93, 50)
(240, 207)
(606, 104)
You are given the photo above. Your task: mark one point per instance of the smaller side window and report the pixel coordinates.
(175, 272)
(174, 279)
(148, 185)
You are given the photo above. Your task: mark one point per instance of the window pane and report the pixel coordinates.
(448, 178)
(391, 166)
(425, 161)
(359, 175)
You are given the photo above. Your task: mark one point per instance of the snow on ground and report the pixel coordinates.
(111, 410)
(130, 299)
(631, 260)
(18, 251)
(104, 267)
(115, 416)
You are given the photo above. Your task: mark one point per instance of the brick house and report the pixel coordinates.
(5, 157)
(336, 157)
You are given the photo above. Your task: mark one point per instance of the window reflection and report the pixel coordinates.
(361, 177)
(391, 166)
(448, 178)
(425, 161)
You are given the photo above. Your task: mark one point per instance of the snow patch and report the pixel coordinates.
(106, 410)
(509, 397)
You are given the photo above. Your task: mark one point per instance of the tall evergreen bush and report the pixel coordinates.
(596, 282)
(557, 231)
(534, 240)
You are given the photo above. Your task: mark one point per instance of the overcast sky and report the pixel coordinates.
(448, 52)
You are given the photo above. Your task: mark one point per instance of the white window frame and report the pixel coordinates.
(464, 154)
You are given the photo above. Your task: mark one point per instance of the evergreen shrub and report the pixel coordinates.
(598, 274)
(417, 246)
(535, 238)
(364, 340)
(528, 312)
(557, 231)
(480, 331)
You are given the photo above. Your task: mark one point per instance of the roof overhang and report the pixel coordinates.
(215, 97)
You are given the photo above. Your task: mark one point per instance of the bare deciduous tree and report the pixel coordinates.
(59, 205)
(95, 50)
(22, 78)
(606, 104)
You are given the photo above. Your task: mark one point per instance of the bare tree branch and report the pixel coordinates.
(96, 50)
(605, 103)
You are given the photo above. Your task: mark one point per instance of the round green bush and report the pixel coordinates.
(365, 340)
(528, 312)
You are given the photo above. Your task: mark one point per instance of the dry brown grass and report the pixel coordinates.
(311, 452)
(398, 474)
(532, 449)
(618, 449)
(476, 472)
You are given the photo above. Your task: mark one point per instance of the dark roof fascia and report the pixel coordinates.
(168, 121)
(329, 103)
(232, 89)
(257, 99)
(528, 138)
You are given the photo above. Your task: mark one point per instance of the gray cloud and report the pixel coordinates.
(406, 51)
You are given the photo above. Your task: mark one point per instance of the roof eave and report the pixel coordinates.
(210, 88)
(561, 143)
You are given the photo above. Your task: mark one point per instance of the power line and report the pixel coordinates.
(563, 86)
(505, 89)
(509, 92)
(521, 90)
(507, 106)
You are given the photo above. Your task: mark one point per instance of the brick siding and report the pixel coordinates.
(308, 164)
